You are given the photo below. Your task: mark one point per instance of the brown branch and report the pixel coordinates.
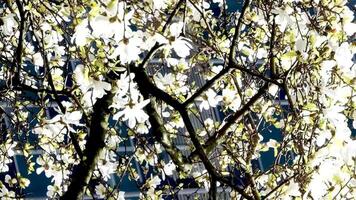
(252, 73)
(254, 138)
(289, 98)
(213, 188)
(231, 62)
(95, 144)
(232, 53)
(55, 94)
(210, 30)
(145, 84)
(158, 131)
(203, 156)
(271, 47)
(19, 49)
(206, 86)
(156, 46)
(211, 82)
(150, 53)
(278, 186)
(173, 13)
(212, 141)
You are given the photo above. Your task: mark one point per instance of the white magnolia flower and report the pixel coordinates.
(293, 189)
(182, 87)
(68, 118)
(92, 89)
(100, 190)
(9, 24)
(262, 53)
(154, 181)
(124, 83)
(112, 23)
(53, 190)
(209, 99)
(334, 115)
(349, 152)
(283, 18)
(181, 46)
(53, 132)
(96, 90)
(5, 158)
(323, 137)
(176, 29)
(215, 70)
(169, 168)
(9, 147)
(176, 122)
(107, 168)
(273, 89)
(10, 181)
(209, 124)
(300, 45)
(81, 33)
(23, 182)
(326, 69)
(231, 99)
(288, 59)
(102, 27)
(152, 184)
(37, 59)
(163, 81)
(343, 56)
(133, 110)
(159, 4)
(350, 28)
(142, 128)
(45, 164)
(128, 50)
(5, 194)
(59, 175)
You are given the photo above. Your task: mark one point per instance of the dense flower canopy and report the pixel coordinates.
(82, 79)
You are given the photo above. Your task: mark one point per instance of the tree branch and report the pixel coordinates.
(278, 186)
(158, 131)
(232, 53)
(145, 84)
(271, 47)
(212, 141)
(206, 86)
(55, 94)
(95, 144)
(255, 74)
(19, 49)
(213, 188)
(173, 13)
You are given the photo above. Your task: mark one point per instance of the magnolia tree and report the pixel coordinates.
(148, 73)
